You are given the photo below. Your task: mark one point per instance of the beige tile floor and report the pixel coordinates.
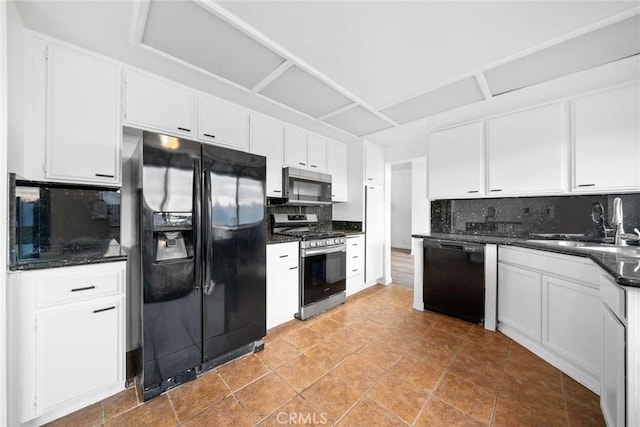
(372, 361)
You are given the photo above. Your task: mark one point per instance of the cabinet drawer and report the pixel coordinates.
(71, 285)
(613, 296)
(282, 252)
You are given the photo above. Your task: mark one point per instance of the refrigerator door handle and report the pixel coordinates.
(207, 238)
(197, 221)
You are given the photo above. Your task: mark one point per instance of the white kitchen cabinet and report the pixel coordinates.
(317, 153)
(568, 310)
(355, 264)
(157, 104)
(520, 300)
(337, 168)
(73, 126)
(550, 304)
(455, 162)
(612, 382)
(373, 164)
(295, 148)
(526, 152)
(374, 234)
(267, 139)
(304, 151)
(66, 339)
(282, 282)
(606, 140)
(222, 123)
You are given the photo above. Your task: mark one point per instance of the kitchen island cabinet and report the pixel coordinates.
(66, 339)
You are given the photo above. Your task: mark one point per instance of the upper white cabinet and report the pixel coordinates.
(373, 164)
(526, 152)
(455, 162)
(304, 151)
(337, 168)
(317, 153)
(73, 128)
(295, 147)
(606, 138)
(267, 139)
(222, 123)
(157, 104)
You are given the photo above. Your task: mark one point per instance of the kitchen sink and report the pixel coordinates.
(591, 246)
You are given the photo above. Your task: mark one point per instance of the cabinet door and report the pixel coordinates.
(455, 162)
(374, 236)
(79, 349)
(295, 148)
(282, 283)
(606, 132)
(568, 310)
(355, 264)
(317, 153)
(267, 139)
(526, 151)
(520, 300)
(83, 130)
(613, 378)
(159, 105)
(222, 123)
(337, 168)
(374, 164)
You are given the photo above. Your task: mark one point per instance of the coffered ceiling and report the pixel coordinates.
(352, 69)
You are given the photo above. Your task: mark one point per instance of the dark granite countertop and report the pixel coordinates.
(350, 232)
(624, 269)
(274, 239)
(65, 263)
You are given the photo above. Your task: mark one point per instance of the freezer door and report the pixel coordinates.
(170, 250)
(234, 290)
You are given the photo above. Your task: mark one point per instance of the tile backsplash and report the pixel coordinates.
(526, 216)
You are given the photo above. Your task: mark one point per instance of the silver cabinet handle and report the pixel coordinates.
(104, 309)
(86, 288)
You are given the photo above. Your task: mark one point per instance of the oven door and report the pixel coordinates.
(324, 273)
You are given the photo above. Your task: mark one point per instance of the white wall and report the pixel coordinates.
(420, 205)
(401, 195)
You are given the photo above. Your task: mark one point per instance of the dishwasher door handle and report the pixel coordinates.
(450, 246)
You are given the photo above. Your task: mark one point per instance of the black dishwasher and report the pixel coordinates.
(453, 279)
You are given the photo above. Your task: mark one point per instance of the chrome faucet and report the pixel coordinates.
(617, 221)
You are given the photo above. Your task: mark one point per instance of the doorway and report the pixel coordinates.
(401, 208)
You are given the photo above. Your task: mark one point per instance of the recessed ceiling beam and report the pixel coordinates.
(483, 85)
(272, 76)
(138, 21)
(338, 111)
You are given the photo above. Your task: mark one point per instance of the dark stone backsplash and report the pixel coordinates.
(527, 216)
(347, 225)
(324, 213)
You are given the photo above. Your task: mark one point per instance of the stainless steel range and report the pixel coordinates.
(323, 262)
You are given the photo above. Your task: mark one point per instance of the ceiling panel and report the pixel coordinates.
(358, 121)
(302, 91)
(192, 34)
(445, 98)
(608, 44)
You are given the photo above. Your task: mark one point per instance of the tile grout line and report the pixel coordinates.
(495, 403)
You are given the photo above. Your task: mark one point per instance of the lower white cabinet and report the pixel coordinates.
(282, 282)
(66, 339)
(520, 300)
(355, 264)
(613, 379)
(550, 304)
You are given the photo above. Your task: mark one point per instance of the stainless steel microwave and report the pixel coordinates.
(303, 187)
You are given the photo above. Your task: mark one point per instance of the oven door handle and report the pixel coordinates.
(320, 251)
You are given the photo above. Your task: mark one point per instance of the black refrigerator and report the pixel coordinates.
(202, 257)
